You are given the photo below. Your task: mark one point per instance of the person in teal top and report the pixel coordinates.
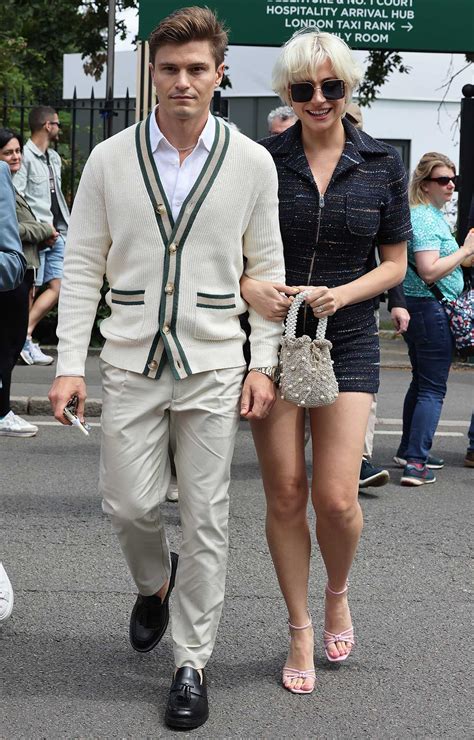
(431, 232)
(438, 259)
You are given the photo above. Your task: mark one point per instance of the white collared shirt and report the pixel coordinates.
(178, 179)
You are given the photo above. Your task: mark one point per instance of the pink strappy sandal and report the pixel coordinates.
(291, 673)
(345, 636)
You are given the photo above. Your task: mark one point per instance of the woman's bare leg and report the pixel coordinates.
(279, 440)
(338, 433)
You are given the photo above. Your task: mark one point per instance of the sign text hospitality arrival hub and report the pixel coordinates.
(403, 25)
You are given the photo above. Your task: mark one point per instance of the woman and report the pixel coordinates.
(434, 253)
(14, 304)
(340, 192)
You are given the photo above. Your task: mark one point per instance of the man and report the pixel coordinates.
(168, 210)
(39, 181)
(279, 119)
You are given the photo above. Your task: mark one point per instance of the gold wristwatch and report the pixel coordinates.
(270, 371)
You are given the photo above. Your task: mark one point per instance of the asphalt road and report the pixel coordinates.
(67, 670)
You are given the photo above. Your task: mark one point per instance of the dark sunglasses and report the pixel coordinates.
(55, 123)
(302, 92)
(444, 180)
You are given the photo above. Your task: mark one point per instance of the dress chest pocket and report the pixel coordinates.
(362, 214)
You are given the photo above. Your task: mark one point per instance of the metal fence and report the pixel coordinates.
(84, 123)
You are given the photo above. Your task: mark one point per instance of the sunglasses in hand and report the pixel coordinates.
(302, 92)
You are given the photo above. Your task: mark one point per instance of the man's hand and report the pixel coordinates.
(258, 396)
(62, 390)
(400, 319)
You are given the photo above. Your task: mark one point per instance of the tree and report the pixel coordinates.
(40, 32)
(380, 66)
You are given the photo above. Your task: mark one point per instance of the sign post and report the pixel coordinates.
(399, 25)
(466, 162)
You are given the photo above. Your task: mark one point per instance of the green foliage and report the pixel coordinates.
(40, 32)
(381, 64)
(11, 77)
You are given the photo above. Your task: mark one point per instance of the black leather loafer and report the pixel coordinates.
(187, 706)
(150, 616)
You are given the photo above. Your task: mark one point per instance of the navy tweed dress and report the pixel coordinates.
(329, 240)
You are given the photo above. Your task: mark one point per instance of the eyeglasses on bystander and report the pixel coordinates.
(443, 180)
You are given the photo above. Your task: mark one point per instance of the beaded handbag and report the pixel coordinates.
(306, 370)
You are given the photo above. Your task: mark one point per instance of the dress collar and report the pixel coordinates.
(356, 140)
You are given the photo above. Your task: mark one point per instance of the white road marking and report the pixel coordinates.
(398, 422)
(61, 426)
(395, 432)
(437, 434)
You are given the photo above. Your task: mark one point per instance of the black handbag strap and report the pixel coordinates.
(433, 287)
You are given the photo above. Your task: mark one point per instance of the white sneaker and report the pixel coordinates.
(172, 492)
(25, 352)
(6, 594)
(37, 356)
(14, 426)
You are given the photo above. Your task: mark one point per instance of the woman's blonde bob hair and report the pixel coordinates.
(424, 168)
(300, 57)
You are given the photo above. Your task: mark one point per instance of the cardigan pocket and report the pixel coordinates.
(215, 316)
(362, 214)
(128, 314)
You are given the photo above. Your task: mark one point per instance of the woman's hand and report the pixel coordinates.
(324, 301)
(468, 247)
(266, 298)
(52, 238)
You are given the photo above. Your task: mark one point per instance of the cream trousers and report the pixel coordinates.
(134, 476)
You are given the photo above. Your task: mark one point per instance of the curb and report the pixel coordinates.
(40, 406)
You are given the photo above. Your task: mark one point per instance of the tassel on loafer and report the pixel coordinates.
(188, 707)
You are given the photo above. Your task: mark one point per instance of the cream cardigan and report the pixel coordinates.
(174, 287)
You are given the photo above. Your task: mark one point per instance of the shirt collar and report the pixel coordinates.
(30, 144)
(206, 138)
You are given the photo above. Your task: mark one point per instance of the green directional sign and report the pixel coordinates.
(403, 25)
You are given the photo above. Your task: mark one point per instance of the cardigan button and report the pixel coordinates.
(169, 289)
(161, 208)
(166, 329)
(173, 247)
(152, 365)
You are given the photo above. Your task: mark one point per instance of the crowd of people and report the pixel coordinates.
(318, 207)
(42, 215)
